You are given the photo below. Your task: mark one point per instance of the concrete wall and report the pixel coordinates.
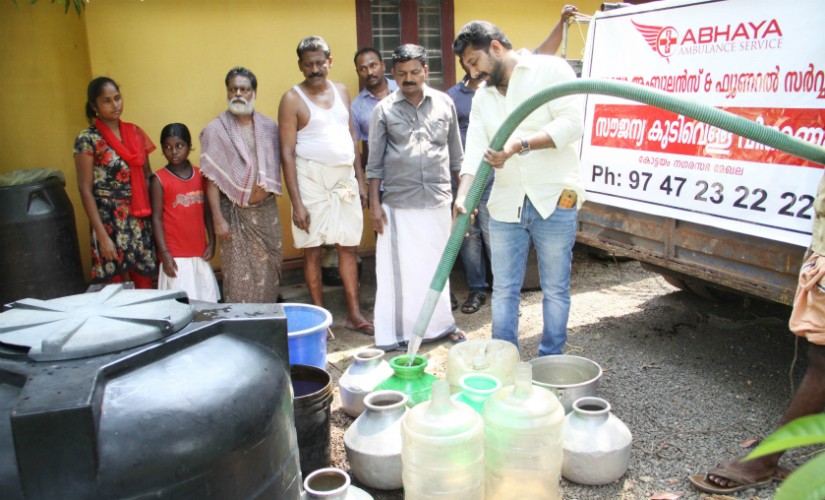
(44, 66)
(526, 22)
(170, 58)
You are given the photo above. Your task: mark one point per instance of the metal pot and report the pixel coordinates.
(569, 377)
(368, 369)
(595, 443)
(373, 441)
(332, 484)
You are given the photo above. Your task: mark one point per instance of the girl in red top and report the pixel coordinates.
(182, 221)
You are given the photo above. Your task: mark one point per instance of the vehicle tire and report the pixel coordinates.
(674, 281)
(604, 255)
(697, 286)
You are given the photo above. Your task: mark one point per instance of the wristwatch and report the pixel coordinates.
(525, 147)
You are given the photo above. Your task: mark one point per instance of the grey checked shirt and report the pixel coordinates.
(414, 150)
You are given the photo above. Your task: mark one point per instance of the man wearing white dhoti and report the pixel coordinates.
(414, 148)
(322, 171)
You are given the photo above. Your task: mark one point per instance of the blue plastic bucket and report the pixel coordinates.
(307, 331)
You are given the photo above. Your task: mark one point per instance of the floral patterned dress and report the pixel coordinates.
(112, 191)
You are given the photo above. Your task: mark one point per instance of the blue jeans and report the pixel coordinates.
(475, 244)
(510, 241)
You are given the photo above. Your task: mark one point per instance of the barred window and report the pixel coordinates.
(386, 24)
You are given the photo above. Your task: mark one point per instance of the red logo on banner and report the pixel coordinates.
(666, 40)
(661, 39)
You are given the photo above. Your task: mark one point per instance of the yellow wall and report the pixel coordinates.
(170, 58)
(44, 66)
(527, 22)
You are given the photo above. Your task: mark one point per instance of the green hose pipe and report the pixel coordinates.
(702, 112)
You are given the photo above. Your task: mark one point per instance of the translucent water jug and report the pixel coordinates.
(523, 440)
(476, 388)
(442, 454)
(493, 357)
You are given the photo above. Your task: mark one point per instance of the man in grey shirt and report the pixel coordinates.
(414, 148)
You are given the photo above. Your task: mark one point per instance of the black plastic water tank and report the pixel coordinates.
(39, 253)
(115, 394)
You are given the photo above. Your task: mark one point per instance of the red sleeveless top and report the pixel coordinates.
(183, 224)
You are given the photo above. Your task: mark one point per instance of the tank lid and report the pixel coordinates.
(91, 324)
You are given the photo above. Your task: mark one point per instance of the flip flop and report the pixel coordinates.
(366, 328)
(781, 474)
(457, 337)
(700, 481)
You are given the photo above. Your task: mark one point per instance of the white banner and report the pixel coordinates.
(758, 59)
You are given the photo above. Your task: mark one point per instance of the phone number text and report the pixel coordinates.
(733, 194)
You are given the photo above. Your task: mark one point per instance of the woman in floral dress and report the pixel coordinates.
(112, 163)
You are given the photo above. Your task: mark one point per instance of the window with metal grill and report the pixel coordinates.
(386, 24)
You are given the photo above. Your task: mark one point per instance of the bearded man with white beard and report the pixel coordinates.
(241, 159)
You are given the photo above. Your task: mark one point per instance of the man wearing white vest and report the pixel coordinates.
(322, 172)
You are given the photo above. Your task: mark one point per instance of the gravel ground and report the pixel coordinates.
(693, 379)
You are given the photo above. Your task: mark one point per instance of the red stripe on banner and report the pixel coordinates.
(647, 128)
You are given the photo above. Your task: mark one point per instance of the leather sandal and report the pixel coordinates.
(474, 302)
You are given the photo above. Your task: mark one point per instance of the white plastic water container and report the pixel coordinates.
(492, 357)
(523, 440)
(442, 452)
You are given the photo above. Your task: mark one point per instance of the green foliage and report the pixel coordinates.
(803, 431)
(79, 5)
(807, 482)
